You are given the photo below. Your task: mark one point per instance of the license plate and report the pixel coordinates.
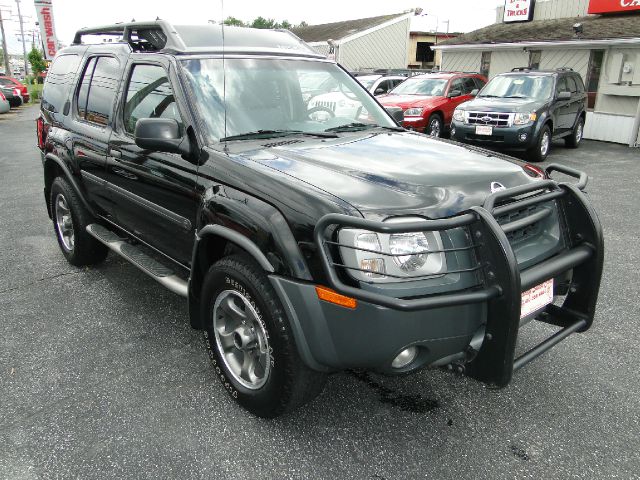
(537, 298)
(484, 130)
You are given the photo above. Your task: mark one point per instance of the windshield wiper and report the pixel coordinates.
(488, 96)
(259, 134)
(516, 96)
(351, 127)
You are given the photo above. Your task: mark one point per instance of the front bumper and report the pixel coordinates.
(508, 138)
(444, 324)
(418, 124)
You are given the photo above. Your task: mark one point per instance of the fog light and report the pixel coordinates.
(405, 357)
(453, 132)
(523, 137)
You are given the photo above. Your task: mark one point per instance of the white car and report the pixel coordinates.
(380, 84)
(343, 106)
(4, 104)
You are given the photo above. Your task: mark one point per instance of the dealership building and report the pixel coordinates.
(599, 39)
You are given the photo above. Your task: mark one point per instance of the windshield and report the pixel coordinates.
(535, 87)
(276, 97)
(432, 87)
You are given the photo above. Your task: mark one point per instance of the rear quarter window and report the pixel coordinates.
(97, 91)
(59, 80)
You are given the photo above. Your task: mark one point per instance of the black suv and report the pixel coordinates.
(306, 242)
(525, 110)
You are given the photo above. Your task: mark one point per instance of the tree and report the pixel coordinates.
(261, 22)
(38, 64)
(286, 25)
(234, 22)
(302, 24)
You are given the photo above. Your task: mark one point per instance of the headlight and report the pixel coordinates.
(414, 245)
(413, 112)
(458, 115)
(387, 258)
(524, 118)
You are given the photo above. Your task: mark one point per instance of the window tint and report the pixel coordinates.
(469, 85)
(385, 85)
(579, 84)
(6, 82)
(562, 85)
(479, 83)
(149, 95)
(571, 83)
(457, 85)
(59, 79)
(102, 90)
(83, 91)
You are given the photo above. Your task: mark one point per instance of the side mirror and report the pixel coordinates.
(396, 113)
(454, 93)
(161, 135)
(474, 92)
(564, 96)
(379, 91)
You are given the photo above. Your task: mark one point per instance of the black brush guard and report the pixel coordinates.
(502, 283)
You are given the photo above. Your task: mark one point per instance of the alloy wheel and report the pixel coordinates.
(242, 340)
(64, 223)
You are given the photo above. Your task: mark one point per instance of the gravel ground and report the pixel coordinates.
(101, 375)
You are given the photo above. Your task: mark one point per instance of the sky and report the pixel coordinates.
(69, 15)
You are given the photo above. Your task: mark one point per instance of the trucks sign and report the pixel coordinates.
(613, 6)
(518, 10)
(44, 9)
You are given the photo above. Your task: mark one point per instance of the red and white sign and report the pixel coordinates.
(613, 6)
(518, 10)
(537, 298)
(44, 9)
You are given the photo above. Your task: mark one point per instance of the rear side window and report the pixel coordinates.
(571, 83)
(579, 83)
(59, 79)
(469, 85)
(97, 90)
(562, 85)
(149, 95)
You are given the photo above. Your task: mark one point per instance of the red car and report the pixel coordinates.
(12, 82)
(428, 100)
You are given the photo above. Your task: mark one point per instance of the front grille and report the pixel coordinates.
(527, 231)
(323, 103)
(494, 119)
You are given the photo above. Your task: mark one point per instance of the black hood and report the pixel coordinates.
(392, 173)
(490, 104)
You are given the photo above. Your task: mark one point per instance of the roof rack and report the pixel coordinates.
(141, 36)
(160, 35)
(523, 69)
(564, 69)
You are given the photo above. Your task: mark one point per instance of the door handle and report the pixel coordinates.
(124, 173)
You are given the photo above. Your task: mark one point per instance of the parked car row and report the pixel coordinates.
(12, 93)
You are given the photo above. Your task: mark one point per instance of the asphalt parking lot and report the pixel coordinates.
(101, 375)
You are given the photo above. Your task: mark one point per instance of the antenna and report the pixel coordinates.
(224, 74)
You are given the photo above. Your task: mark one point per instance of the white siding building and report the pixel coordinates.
(603, 48)
(363, 44)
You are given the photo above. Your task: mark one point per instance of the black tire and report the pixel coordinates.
(289, 383)
(537, 153)
(85, 249)
(435, 126)
(575, 139)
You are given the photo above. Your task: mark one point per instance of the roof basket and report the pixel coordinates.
(141, 36)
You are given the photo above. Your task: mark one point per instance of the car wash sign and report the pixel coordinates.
(613, 6)
(518, 10)
(44, 9)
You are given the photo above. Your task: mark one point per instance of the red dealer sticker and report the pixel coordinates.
(537, 298)
(612, 6)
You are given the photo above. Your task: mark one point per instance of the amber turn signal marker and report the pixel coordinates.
(334, 297)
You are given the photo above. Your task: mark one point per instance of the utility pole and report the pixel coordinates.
(7, 64)
(24, 47)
